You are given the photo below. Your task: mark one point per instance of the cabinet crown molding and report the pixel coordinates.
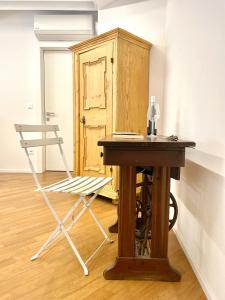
(112, 34)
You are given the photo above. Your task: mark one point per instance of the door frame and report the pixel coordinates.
(44, 48)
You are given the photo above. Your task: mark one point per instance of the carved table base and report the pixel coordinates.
(144, 269)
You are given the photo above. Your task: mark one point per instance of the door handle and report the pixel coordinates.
(50, 114)
(83, 120)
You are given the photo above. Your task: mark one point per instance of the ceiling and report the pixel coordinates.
(70, 5)
(101, 4)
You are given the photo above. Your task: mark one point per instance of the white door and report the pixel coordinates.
(59, 105)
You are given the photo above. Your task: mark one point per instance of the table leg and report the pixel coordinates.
(127, 265)
(160, 212)
(114, 227)
(126, 219)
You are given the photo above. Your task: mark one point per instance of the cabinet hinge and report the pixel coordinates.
(112, 60)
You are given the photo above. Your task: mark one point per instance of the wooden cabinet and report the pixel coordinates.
(111, 79)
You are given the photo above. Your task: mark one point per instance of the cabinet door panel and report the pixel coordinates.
(94, 76)
(95, 86)
(91, 161)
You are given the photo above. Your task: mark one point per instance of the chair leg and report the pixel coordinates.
(75, 251)
(87, 206)
(57, 231)
(61, 229)
(50, 239)
(84, 207)
(97, 221)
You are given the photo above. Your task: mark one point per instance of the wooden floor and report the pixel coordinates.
(25, 223)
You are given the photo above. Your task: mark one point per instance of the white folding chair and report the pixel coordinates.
(82, 185)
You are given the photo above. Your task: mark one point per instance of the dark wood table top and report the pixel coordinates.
(156, 142)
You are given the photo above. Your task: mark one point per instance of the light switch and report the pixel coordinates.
(29, 105)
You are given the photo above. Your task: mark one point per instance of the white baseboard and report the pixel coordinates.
(15, 171)
(208, 292)
(20, 171)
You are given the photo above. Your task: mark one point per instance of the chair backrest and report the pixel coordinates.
(25, 143)
(21, 128)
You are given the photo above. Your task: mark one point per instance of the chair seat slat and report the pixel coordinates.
(73, 184)
(65, 185)
(82, 185)
(53, 184)
(96, 187)
(90, 184)
(78, 185)
(60, 184)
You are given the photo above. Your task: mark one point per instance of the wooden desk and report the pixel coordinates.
(161, 154)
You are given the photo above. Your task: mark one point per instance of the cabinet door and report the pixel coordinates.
(95, 89)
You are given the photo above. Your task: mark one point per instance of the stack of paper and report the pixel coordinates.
(127, 135)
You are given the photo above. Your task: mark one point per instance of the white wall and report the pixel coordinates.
(19, 84)
(147, 20)
(194, 107)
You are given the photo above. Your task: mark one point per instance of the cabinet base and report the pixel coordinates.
(108, 192)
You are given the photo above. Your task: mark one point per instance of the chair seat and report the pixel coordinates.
(82, 185)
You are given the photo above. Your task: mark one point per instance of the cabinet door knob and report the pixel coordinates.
(83, 120)
(101, 154)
